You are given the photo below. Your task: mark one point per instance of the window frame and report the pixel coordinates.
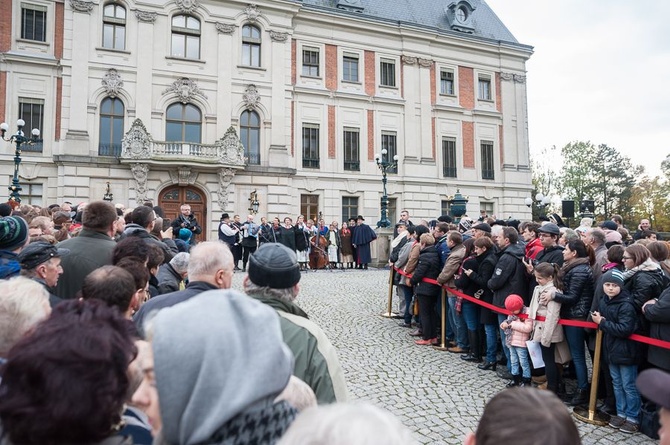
(252, 42)
(313, 160)
(391, 148)
(116, 23)
(29, 118)
(44, 10)
(112, 148)
(449, 158)
(484, 88)
(253, 154)
(30, 196)
(185, 32)
(487, 154)
(314, 62)
(183, 123)
(351, 153)
(351, 56)
(384, 76)
(349, 207)
(444, 83)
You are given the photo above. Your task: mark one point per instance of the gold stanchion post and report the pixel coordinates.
(389, 313)
(590, 414)
(443, 315)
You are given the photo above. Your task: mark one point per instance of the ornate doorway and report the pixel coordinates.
(173, 197)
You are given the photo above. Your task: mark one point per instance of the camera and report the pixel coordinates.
(186, 224)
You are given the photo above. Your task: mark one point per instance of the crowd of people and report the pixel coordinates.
(116, 327)
(536, 274)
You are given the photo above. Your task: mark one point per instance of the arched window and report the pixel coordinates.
(183, 123)
(185, 37)
(251, 46)
(250, 136)
(114, 26)
(111, 127)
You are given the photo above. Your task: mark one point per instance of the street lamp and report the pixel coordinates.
(541, 201)
(253, 202)
(384, 165)
(18, 138)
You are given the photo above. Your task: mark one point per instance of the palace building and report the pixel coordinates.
(218, 103)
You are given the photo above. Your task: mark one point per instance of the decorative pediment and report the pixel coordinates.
(187, 6)
(136, 144)
(251, 97)
(252, 13)
(459, 15)
(112, 82)
(183, 176)
(231, 149)
(278, 36)
(224, 28)
(145, 16)
(82, 6)
(185, 89)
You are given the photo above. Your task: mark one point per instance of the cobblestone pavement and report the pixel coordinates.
(434, 393)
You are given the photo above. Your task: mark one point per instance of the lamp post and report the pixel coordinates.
(541, 201)
(18, 139)
(253, 202)
(384, 165)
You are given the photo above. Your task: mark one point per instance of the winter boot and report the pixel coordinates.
(516, 381)
(525, 382)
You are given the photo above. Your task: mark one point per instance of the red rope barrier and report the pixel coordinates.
(564, 322)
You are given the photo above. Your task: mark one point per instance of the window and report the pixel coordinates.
(487, 160)
(310, 146)
(352, 157)
(310, 62)
(487, 207)
(32, 112)
(34, 23)
(349, 207)
(449, 158)
(111, 127)
(185, 37)
(183, 123)
(350, 68)
(309, 206)
(32, 194)
(484, 88)
(392, 210)
(114, 27)
(250, 136)
(251, 46)
(445, 208)
(390, 145)
(387, 73)
(447, 82)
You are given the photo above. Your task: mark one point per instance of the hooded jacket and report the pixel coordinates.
(211, 374)
(644, 282)
(509, 275)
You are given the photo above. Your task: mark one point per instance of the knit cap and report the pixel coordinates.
(185, 234)
(514, 303)
(13, 232)
(274, 265)
(613, 276)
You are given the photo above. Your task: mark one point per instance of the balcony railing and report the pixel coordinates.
(109, 150)
(352, 166)
(310, 162)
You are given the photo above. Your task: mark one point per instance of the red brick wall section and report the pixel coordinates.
(498, 93)
(371, 135)
(468, 145)
(331, 67)
(3, 95)
(59, 106)
(331, 131)
(434, 148)
(433, 91)
(5, 26)
(370, 66)
(466, 87)
(292, 128)
(294, 48)
(58, 35)
(502, 145)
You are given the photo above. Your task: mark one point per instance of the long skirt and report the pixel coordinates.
(332, 254)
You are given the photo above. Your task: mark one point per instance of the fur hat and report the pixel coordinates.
(274, 265)
(613, 276)
(13, 232)
(513, 303)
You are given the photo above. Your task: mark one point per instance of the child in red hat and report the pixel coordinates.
(517, 332)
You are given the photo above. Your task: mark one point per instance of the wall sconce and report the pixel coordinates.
(253, 202)
(108, 194)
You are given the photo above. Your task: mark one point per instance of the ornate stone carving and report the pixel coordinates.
(141, 174)
(112, 82)
(82, 6)
(408, 60)
(145, 16)
(230, 149)
(278, 36)
(224, 28)
(185, 89)
(187, 6)
(425, 63)
(507, 76)
(251, 97)
(252, 12)
(136, 144)
(226, 176)
(183, 176)
(520, 78)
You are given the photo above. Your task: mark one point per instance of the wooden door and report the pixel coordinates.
(172, 198)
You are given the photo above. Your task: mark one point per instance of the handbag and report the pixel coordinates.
(649, 423)
(562, 353)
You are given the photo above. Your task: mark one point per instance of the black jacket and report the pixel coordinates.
(619, 323)
(577, 293)
(486, 265)
(658, 316)
(644, 285)
(168, 279)
(428, 267)
(509, 275)
(550, 255)
(464, 282)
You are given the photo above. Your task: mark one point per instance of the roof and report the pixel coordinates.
(426, 14)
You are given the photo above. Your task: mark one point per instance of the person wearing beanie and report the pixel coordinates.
(617, 318)
(214, 383)
(517, 332)
(272, 278)
(13, 237)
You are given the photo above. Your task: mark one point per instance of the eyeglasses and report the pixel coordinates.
(543, 235)
(627, 258)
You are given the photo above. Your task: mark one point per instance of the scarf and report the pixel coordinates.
(649, 265)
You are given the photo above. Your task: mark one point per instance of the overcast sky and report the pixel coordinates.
(600, 72)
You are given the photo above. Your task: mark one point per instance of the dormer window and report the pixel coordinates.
(459, 15)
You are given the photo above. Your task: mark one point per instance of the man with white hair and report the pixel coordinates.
(171, 275)
(273, 279)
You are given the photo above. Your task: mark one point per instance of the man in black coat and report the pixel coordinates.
(186, 221)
